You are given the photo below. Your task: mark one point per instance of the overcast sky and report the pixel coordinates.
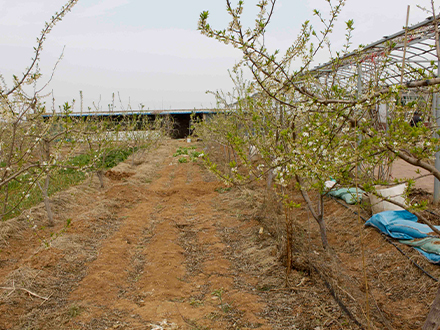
(151, 52)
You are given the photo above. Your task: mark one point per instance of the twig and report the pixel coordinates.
(44, 301)
(384, 319)
(23, 289)
(288, 288)
(187, 321)
(13, 289)
(163, 208)
(332, 318)
(339, 301)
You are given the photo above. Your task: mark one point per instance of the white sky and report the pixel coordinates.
(151, 52)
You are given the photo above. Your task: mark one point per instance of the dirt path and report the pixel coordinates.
(166, 260)
(146, 253)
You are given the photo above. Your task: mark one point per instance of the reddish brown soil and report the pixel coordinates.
(167, 246)
(114, 175)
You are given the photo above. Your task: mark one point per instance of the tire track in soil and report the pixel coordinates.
(165, 261)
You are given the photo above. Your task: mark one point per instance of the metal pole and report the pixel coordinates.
(359, 88)
(436, 114)
(404, 47)
(387, 115)
(359, 82)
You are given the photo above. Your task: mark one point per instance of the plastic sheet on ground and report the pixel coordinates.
(347, 194)
(426, 246)
(403, 226)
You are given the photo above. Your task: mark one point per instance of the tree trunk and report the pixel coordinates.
(44, 191)
(318, 216)
(132, 157)
(288, 243)
(49, 211)
(323, 232)
(5, 202)
(321, 222)
(269, 179)
(100, 172)
(100, 175)
(433, 320)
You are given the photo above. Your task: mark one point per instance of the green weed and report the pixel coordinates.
(195, 326)
(187, 151)
(195, 302)
(183, 151)
(222, 190)
(60, 180)
(75, 310)
(219, 293)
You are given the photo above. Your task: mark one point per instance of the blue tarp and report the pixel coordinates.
(403, 225)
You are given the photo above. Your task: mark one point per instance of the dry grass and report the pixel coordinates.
(10, 228)
(331, 283)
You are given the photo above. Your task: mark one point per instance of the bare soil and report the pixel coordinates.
(165, 245)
